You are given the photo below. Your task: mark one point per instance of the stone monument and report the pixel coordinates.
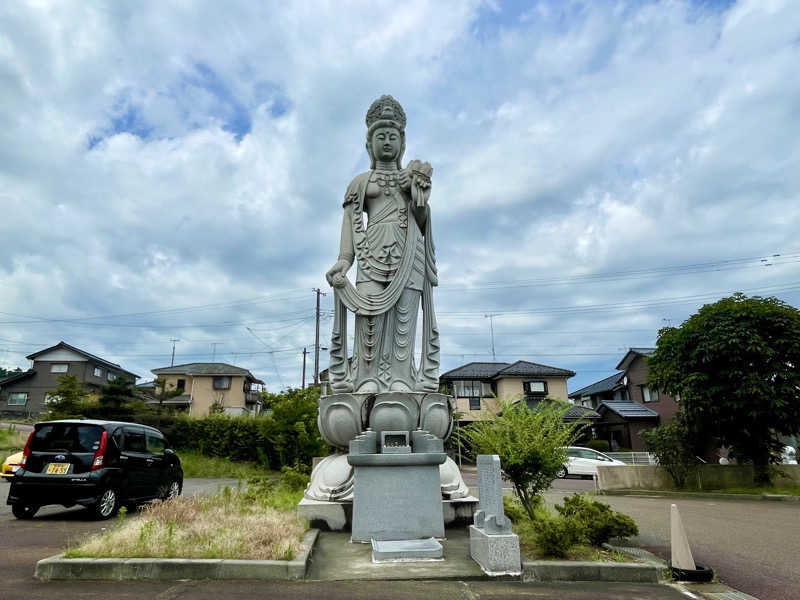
(492, 544)
(384, 406)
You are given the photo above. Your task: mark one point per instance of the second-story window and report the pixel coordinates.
(59, 368)
(181, 384)
(98, 372)
(222, 383)
(649, 394)
(111, 376)
(536, 387)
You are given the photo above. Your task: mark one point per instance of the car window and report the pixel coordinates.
(588, 454)
(573, 453)
(155, 443)
(69, 437)
(135, 440)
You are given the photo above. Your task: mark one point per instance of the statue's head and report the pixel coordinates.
(385, 119)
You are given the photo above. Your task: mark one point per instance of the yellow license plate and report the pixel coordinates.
(58, 468)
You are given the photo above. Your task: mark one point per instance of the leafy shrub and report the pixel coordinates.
(670, 442)
(600, 523)
(599, 445)
(294, 478)
(514, 510)
(556, 536)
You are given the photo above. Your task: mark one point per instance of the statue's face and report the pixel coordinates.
(386, 143)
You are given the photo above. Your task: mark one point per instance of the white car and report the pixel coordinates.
(584, 461)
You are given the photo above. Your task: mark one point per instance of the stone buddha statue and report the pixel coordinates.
(386, 226)
(386, 229)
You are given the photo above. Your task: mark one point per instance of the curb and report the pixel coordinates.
(567, 570)
(700, 495)
(58, 567)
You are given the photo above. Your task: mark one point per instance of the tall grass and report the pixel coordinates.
(259, 523)
(195, 464)
(12, 440)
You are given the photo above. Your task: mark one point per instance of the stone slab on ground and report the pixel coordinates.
(497, 554)
(336, 558)
(568, 570)
(58, 567)
(406, 550)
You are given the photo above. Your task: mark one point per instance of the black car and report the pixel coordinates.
(98, 464)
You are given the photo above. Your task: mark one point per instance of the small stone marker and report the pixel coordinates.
(406, 550)
(681, 553)
(491, 543)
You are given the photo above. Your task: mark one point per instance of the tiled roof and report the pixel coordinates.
(629, 410)
(63, 344)
(598, 387)
(581, 412)
(16, 377)
(475, 370)
(205, 369)
(523, 368)
(631, 354)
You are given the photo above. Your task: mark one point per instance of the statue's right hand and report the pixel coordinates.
(335, 276)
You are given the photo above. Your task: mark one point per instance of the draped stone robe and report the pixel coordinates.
(396, 269)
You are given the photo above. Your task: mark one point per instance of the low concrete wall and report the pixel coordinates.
(706, 477)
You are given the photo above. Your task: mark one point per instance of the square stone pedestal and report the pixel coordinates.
(497, 554)
(397, 497)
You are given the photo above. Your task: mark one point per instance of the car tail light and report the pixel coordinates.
(100, 456)
(27, 452)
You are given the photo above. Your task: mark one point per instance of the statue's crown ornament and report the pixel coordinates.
(386, 109)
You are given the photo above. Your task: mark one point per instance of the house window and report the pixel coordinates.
(181, 384)
(474, 403)
(59, 368)
(472, 389)
(222, 383)
(111, 376)
(536, 387)
(98, 372)
(17, 398)
(649, 394)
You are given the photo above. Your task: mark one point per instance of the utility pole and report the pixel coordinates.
(305, 352)
(490, 316)
(214, 351)
(316, 342)
(172, 362)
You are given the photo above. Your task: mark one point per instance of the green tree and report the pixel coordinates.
(293, 432)
(69, 397)
(117, 393)
(9, 372)
(736, 366)
(672, 446)
(531, 444)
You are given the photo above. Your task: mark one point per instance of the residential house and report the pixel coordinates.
(26, 394)
(479, 386)
(207, 385)
(626, 404)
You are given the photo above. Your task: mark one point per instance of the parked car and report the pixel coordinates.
(10, 466)
(98, 464)
(584, 461)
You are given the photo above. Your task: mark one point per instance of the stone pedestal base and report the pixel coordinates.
(496, 554)
(406, 550)
(397, 497)
(338, 515)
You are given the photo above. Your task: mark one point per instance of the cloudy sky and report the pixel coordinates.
(175, 170)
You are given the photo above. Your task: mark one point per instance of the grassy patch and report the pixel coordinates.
(195, 464)
(258, 524)
(12, 440)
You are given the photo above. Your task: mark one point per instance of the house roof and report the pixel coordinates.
(629, 410)
(146, 384)
(576, 412)
(631, 355)
(524, 368)
(210, 369)
(63, 344)
(598, 387)
(17, 377)
(475, 370)
(496, 370)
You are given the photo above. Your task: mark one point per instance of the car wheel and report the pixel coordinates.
(24, 511)
(562, 473)
(107, 504)
(168, 492)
